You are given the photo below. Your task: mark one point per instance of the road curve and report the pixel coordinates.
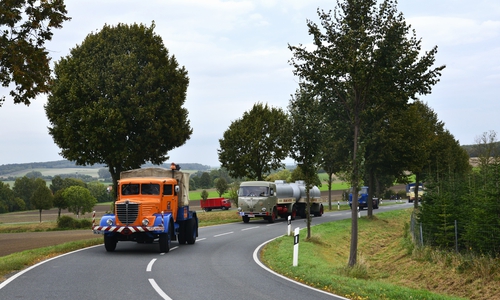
(220, 265)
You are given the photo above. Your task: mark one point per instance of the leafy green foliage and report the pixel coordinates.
(42, 197)
(204, 194)
(256, 144)
(221, 186)
(79, 200)
(117, 99)
(365, 62)
(24, 61)
(67, 222)
(473, 202)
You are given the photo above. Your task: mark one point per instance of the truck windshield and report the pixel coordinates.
(130, 189)
(253, 191)
(150, 189)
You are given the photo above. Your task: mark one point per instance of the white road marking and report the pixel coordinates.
(250, 228)
(217, 235)
(150, 265)
(198, 240)
(158, 289)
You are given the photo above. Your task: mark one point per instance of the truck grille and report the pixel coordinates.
(127, 212)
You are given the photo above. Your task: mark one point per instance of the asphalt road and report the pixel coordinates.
(222, 264)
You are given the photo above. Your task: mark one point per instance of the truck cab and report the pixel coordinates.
(257, 199)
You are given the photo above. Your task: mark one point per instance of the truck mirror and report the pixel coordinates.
(176, 189)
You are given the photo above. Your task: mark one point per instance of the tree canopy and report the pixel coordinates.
(79, 200)
(256, 144)
(24, 61)
(118, 99)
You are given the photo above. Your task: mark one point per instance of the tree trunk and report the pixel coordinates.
(417, 180)
(330, 190)
(354, 208)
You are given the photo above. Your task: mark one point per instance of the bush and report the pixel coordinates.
(67, 222)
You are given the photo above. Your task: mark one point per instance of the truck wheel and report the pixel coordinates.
(320, 212)
(190, 231)
(164, 241)
(246, 219)
(223, 208)
(272, 218)
(181, 238)
(110, 243)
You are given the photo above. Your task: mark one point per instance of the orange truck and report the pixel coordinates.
(215, 203)
(152, 206)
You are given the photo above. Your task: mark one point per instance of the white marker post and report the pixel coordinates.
(338, 205)
(359, 213)
(296, 247)
(289, 226)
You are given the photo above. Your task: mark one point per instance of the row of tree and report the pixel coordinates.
(356, 109)
(461, 211)
(64, 193)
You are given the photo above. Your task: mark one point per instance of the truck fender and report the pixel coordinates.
(167, 219)
(105, 218)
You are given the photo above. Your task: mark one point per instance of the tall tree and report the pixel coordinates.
(487, 148)
(24, 61)
(79, 200)
(307, 133)
(42, 197)
(24, 188)
(256, 144)
(118, 99)
(221, 186)
(365, 57)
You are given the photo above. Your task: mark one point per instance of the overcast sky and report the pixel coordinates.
(236, 55)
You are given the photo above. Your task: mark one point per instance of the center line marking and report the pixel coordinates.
(217, 235)
(150, 265)
(250, 228)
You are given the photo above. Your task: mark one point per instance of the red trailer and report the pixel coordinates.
(215, 203)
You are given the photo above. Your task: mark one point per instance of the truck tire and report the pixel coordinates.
(110, 243)
(164, 241)
(319, 213)
(181, 238)
(190, 231)
(272, 218)
(246, 219)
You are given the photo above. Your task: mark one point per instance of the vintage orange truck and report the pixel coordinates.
(152, 206)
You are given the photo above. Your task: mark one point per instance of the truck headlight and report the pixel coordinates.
(109, 222)
(145, 222)
(239, 208)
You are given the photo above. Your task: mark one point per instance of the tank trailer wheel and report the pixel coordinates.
(246, 219)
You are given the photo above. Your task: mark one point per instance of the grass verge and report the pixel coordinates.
(388, 266)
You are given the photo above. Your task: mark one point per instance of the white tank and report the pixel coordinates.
(295, 190)
(286, 190)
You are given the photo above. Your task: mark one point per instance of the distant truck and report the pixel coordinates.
(363, 199)
(152, 206)
(215, 203)
(410, 192)
(270, 200)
